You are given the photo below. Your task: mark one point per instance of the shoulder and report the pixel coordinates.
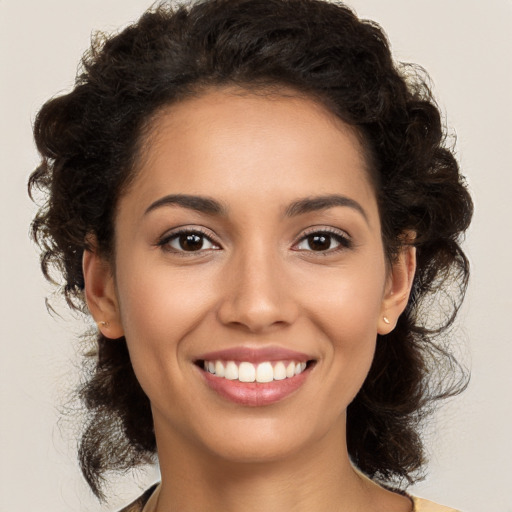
(139, 504)
(421, 505)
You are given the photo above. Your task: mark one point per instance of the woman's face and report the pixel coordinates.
(250, 243)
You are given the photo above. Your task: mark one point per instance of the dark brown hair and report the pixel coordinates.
(90, 138)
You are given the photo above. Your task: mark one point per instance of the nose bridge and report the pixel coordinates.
(256, 296)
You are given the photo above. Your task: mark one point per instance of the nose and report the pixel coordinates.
(257, 295)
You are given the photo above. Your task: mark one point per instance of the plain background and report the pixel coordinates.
(466, 47)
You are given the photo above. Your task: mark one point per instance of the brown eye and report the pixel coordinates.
(323, 241)
(188, 241)
(320, 242)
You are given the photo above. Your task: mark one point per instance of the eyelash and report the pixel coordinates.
(343, 240)
(165, 241)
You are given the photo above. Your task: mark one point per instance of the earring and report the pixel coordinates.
(103, 323)
(386, 320)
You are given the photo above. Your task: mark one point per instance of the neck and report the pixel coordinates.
(316, 479)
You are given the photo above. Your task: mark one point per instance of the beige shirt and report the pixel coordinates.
(420, 505)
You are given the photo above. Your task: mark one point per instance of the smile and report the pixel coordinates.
(255, 377)
(246, 371)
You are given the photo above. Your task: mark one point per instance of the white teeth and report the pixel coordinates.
(231, 371)
(264, 372)
(248, 372)
(279, 371)
(219, 369)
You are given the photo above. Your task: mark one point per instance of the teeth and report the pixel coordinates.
(231, 371)
(248, 372)
(279, 371)
(264, 372)
(219, 369)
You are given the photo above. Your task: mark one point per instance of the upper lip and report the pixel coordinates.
(255, 355)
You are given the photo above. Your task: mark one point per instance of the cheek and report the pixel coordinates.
(346, 307)
(154, 295)
(158, 312)
(346, 300)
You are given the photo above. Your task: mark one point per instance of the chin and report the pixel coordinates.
(252, 440)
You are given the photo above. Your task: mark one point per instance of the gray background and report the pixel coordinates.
(465, 45)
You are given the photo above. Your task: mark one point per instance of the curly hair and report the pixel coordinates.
(90, 139)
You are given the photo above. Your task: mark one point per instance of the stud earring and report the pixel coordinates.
(386, 320)
(104, 324)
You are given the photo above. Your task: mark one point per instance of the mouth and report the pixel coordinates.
(255, 378)
(246, 371)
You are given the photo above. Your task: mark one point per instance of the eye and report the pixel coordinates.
(323, 241)
(188, 241)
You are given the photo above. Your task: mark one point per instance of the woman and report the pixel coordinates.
(257, 207)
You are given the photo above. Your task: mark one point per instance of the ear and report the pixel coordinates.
(100, 294)
(398, 289)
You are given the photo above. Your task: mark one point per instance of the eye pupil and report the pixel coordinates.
(191, 242)
(319, 242)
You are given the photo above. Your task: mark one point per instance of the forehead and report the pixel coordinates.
(228, 142)
(264, 110)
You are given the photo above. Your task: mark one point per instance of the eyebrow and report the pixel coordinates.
(317, 203)
(210, 206)
(198, 203)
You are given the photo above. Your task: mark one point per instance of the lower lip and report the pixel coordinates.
(255, 394)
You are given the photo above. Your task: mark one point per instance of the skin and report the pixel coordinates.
(255, 282)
